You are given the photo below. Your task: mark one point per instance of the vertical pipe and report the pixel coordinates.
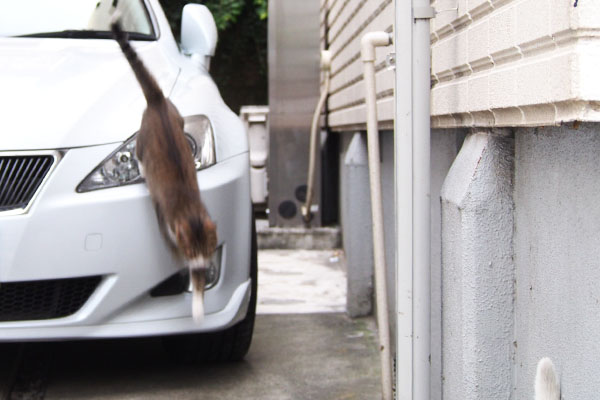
(314, 136)
(368, 43)
(403, 160)
(412, 158)
(421, 204)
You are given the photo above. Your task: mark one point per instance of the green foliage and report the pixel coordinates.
(225, 12)
(239, 66)
(261, 8)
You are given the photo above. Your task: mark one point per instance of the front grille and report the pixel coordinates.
(20, 177)
(56, 298)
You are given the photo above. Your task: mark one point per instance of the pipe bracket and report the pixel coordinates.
(425, 12)
(390, 61)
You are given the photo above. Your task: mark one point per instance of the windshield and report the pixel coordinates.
(73, 18)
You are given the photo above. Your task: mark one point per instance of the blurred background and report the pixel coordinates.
(242, 26)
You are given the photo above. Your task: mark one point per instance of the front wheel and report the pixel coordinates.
(231, 344)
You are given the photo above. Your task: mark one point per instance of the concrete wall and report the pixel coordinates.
(356, 237)
(445, 144)
(478, 270)
(356, 221)
(520, 263)
(557, 257)
(519, 227)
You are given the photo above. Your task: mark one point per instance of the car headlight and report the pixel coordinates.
(122, 167)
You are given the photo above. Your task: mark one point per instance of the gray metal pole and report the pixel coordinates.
(412, 155)
(421, 200)
(403, 154)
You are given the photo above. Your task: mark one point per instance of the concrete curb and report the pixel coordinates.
(322, 238)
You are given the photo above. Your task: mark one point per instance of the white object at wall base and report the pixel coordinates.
(258, 185)
(255, 119)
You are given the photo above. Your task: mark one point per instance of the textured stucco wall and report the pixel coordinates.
(357, 221)
(445, 144)
(557, 255)
(521, 263)
(478, 270)
(355, 206)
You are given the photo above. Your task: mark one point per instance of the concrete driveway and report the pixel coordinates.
(304, 347)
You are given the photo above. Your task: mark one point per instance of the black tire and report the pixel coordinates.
(233, 343)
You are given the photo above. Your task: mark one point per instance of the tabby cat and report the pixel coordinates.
(170, 173)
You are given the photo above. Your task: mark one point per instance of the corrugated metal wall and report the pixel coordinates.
(343, 23)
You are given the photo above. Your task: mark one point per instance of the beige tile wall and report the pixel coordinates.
(494, 62)
(343, 23)
(514, 62)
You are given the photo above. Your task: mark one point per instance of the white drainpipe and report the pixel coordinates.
(314, 136)
(412, 174)
(368, 43)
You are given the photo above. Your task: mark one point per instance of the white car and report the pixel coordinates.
(81, 254)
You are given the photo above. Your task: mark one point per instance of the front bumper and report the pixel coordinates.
(113, 233)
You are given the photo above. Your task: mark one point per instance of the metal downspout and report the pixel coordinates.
(412, 175)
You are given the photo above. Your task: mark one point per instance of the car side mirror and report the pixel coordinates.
(198, 33)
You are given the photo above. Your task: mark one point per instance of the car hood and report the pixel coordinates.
(64, 93)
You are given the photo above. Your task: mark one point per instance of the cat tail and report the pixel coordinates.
(546, 382)
(198, 277)
(152, 91)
